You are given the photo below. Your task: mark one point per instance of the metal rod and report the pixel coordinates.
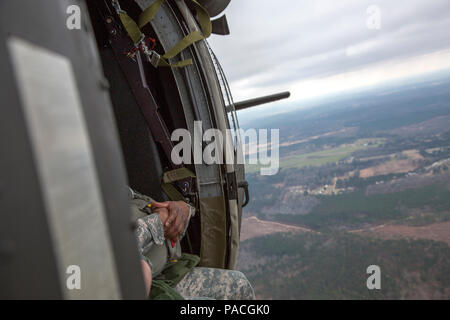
(261, 100)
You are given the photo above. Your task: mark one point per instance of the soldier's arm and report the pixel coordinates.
(150, 231)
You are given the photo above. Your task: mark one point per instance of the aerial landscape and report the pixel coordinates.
(235, 153)
(363, 179)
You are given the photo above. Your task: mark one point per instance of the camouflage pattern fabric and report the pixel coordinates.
(149, 228)
(212, 283)
(149, 231)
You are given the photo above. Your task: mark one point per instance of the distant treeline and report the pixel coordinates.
(356, 209)
(333, 266)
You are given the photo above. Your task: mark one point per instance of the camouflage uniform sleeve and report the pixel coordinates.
(149, 231)
(218, 284)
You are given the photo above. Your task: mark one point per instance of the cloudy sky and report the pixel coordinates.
(315, 47)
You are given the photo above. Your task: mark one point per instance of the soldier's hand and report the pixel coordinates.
(177, 220)
(163, 214)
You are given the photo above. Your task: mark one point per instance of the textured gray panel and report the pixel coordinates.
(66, 169)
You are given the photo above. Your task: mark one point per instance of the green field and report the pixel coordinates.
(319, 158)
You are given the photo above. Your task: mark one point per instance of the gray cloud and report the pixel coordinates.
(275, 42)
